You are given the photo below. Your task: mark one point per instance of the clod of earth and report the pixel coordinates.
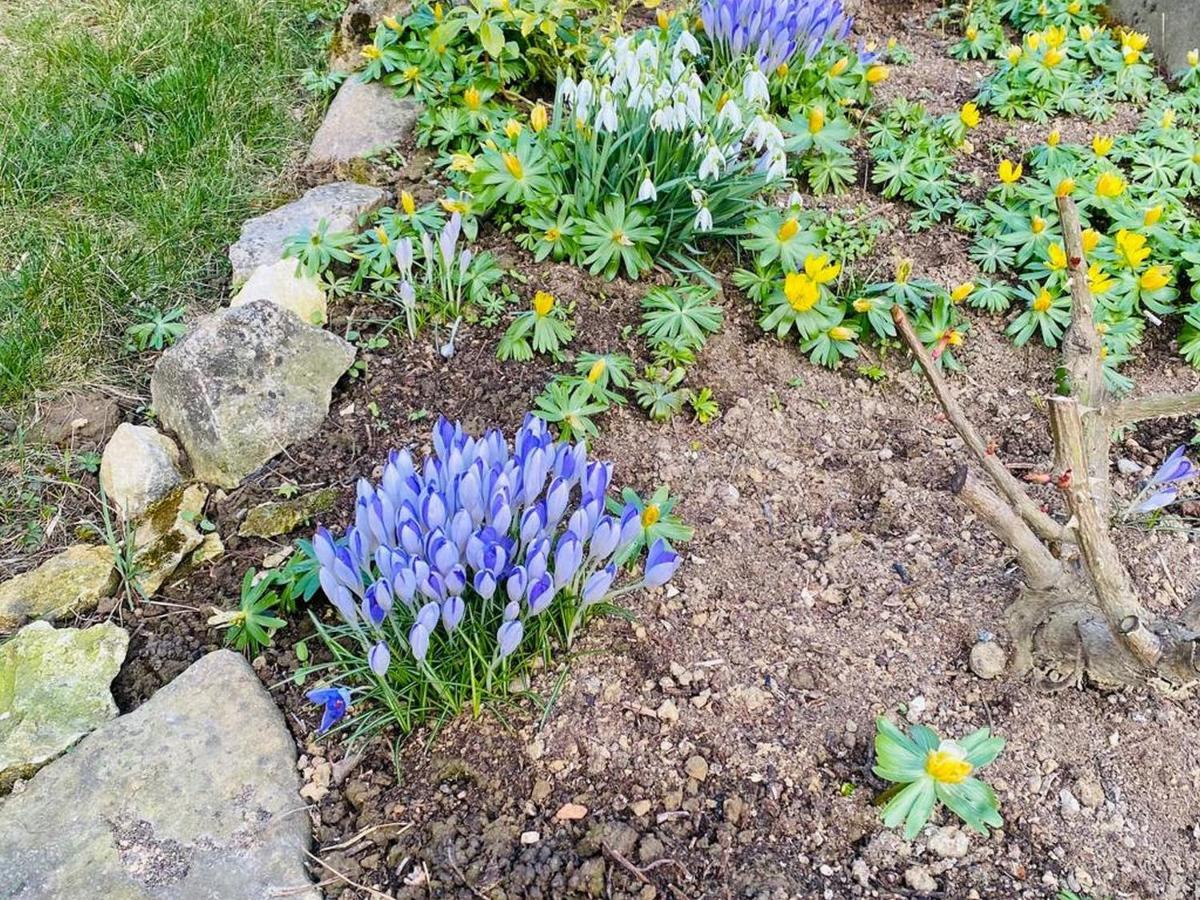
(178, 798)
(54, 689)
(243, 385)
(71, 582)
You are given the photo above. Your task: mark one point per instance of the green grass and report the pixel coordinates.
(135, 136)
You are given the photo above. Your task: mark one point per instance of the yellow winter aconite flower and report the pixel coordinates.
(816, 119)
(839, 67)
(862, 305)
(462, 162)
(1042, 301)
(407, 203)
(543, 302)
(1074, 7)
(454, 206)
(1053, 57)
(551, 234)
(1091, 240)
(1053, 138)
(410, 73)
(515, 169)
(1033, 40)
(1086, 33)
(1152, 215)
(1037, 224)
(788, 230)
(801, 291)
(1110, 185)
(538, 118)
(472, 99)
(1009, 171)
(972, 32)
(820, 269)
(1131, 56)
(1168, 118)
(969, 114)
(391, 22)
(662, 19)
(371, 52)
(947, 764)
(904, 269)
(1013, 55)
(1155, 278)
(954, 337)
(1193, 58)
(1134, 40)
(437, 11)
(1101, 144)
(1057, 258)
(1132, 247)
(876, 74)
(650, 515)
(841, 333)
(512, 128)
(1065, 188)
(782, 70)
(596, 371)
(1099, 281)
(962, 291)
(382, 236)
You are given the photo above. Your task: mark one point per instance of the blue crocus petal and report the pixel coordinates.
(538, 562)
(379, 658)
(1161, 498)
(597, 585)
(541, 593)
(1175, 468)
(517, 581)
(418, 640)
(456, 580)
(324, 547)
(404, 586)
(336, 701)
(604, 539)
(568, 556)
(508, 637)
(661, 563)
(631, 526)
(532, 522)
(433, 509)
(557, 497)
(428, 615)
(453, 610)
(512, 610)
(484, 584)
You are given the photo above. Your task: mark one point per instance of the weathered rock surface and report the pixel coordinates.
(245, 383)
(139, 466)
(1173, 26)
(76, 419)
(365, 118)
(192, 796)
(263, 237)
(72, 581)
(357, 28)
(283, 516)
(54, 689)
(280, 284)
(167, 533)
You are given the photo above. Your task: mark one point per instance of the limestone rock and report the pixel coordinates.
(192, 795)
(243, 385)
(139, 466)
(73, 581)
(167, 534)
(987, 659)
(263, 237)
(365, 118)
(1173, 26)
(280, 284)
(54, 689)
(283, 516)
(357, 28)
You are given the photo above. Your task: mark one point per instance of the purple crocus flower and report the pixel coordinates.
(508, 637)
(418, 640)
(1163, 487)
(772, 31)
(661, 563)
(541, 593)
(379, 658)
(453, 610)
(518, 580)
(336, 701)
(597, 585)
(568, 556)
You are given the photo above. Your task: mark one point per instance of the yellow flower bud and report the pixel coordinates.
(1053, 138)
(947, 764)
(839, 67)
(1134, 40)
(972, 32)
(1110, 185)
(862, 305)
(1155, 278)
(1086, 33)
(876, 74)
(407, 203)
(1065, 188)
(543, 302)
(1043, 301)
(371, 52)
(1101, 145)
(788, 230)
(538, 118)
(391, 22)
(462, 162)
(954, 338)
(820, 269)
(782, 70)
(841, 333)
(1009, 172)
(472, 99)
(1168, 118)
(1033, 40)
(1013, 55)
(816, 119)
(962, 291)
(1074, 7)
(1037, 224)
(512, 128)
(1056, 258)
(1053, 57)
(969, 114)
(650, 514)
(596, 371)
(513, 164)
(1091, 239)
(1153, 214)
(1131, 56)
(1193, 58)
(800, 291)
(663, 19)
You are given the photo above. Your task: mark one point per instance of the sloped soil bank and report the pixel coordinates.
(832, 579)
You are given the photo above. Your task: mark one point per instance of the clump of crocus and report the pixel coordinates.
(1163, 488)
(927, 769)
(460, 571)
(773, 32)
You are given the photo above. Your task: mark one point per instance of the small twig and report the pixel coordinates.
(353, 884)
(640, 873)
(362, 834)
(1156, 406)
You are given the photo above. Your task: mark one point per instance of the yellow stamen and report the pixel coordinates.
(650, 515)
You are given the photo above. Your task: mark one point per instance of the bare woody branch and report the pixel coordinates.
(1014, 492)
(1115, 595)
(1156, 406)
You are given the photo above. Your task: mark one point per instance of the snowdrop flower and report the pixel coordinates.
(703, 221)
(710, 166)
(583, 96)
(606, 117)
(566, 90)
(754, 87)
(687, 43)
(647, 193)
(730, 116)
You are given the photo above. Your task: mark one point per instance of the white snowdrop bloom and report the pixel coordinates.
(694, 110)
(754, 87)
(730, 115)
(795, 200)
(658, 119)
(647, 192)
(566, 90)
(647, 53)
(606, 117)
(698, 197)
(776, 164)
(710, 166)
(677, 68)
(762, 132)
(687, 43)
(583, 96)
(704, 220)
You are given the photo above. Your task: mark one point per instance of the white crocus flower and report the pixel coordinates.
(647, 192)
(754, 87)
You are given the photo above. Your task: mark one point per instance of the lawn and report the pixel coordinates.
(135, 136)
